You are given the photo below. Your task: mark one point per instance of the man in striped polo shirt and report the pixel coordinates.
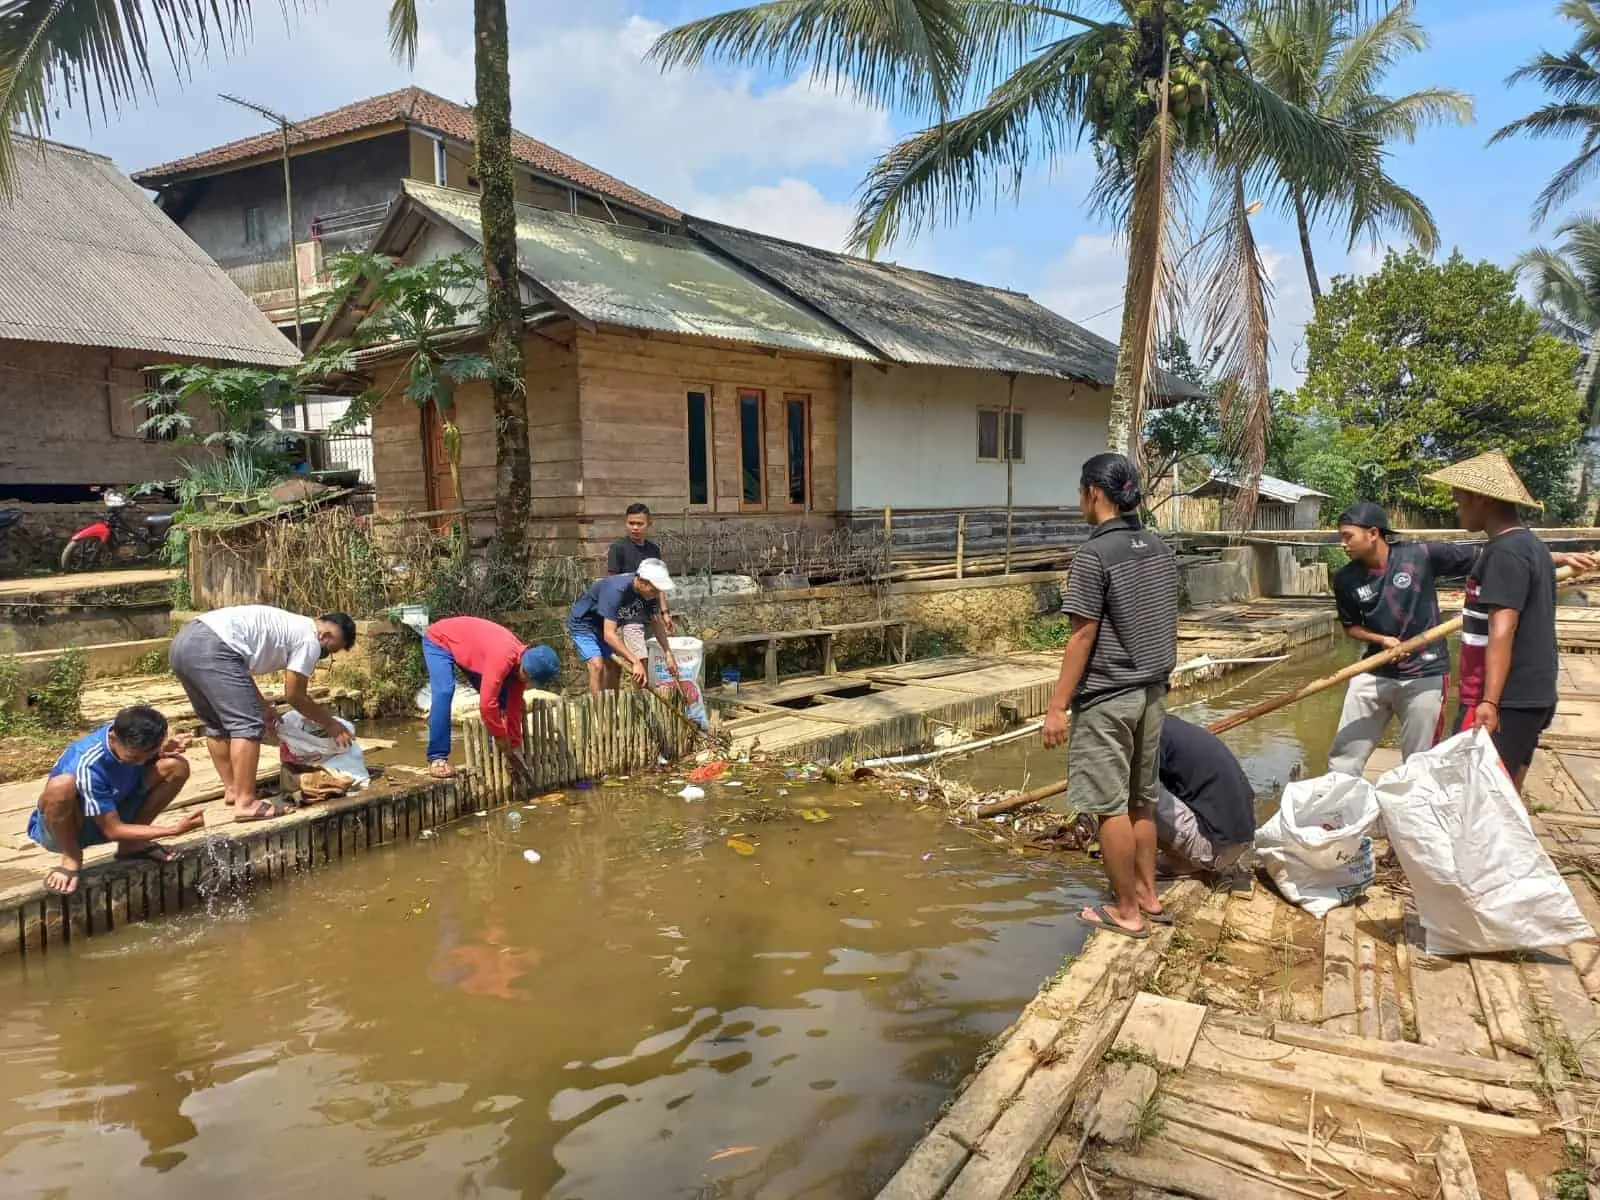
(1122, 596)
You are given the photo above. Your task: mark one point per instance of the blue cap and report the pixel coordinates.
(541, 664)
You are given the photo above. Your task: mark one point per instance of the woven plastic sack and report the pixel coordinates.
(303, 744)
(1481, 881)
(1317, 846)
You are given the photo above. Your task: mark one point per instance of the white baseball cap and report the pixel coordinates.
(654, 572)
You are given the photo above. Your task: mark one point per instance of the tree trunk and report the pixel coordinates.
(1147, 228)
(503, 311)
(1586, 396)
(1303, 223)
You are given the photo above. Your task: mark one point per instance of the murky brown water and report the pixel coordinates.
(645, 1012)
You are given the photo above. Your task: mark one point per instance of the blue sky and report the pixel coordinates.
(784, 157)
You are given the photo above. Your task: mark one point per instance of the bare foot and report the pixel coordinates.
(63, 879)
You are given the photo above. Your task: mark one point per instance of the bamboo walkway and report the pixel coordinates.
(1254, 1053)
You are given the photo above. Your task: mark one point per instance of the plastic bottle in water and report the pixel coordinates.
(514, 819)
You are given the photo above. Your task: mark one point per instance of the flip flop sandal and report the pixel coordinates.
(255, 814)
(1158, 918)
(151, 852)
(1104, 920)
(435, 772)
(62, 871)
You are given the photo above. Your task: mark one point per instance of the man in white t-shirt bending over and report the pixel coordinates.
(217, 656)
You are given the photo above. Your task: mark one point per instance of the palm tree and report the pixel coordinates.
(1161, 89)
(100, 52)
(1566, 287)
(502, 310)
(1320, 57)
(1573, 80)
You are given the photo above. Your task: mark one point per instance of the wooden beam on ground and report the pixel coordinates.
(1454, 1164)
(1164, 1029)
(1404, 1054)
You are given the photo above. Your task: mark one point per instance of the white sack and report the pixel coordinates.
(1481, 881)
(1316, 846)
(303, 745)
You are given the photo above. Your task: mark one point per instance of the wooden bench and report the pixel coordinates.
(825, 634)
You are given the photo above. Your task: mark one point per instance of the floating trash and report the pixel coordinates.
(482, 812)
(741, 845)
(531, 856)
(690, 792)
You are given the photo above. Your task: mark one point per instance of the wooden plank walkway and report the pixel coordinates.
(887, 709)
(1335, 1060)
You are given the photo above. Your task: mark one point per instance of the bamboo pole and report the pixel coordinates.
(1009, 433)
(961, 544)
(1234, 720)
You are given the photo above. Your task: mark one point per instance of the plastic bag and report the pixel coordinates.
(690, 655)
(1481, 881)
(303, 744)
(1317, 846)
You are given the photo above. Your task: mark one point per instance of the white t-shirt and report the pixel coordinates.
(269, 639)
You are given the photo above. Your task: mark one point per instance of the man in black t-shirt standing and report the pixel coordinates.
(1386, 596)
(623, 558)
(1509, 659)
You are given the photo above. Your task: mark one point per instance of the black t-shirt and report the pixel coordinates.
(1513, 571)
(1202, 772)
(626, 554)
(1400, 601)
(1126, 578)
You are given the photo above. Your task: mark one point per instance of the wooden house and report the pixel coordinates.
(1279, 503)
(727, 378)
(96, 288)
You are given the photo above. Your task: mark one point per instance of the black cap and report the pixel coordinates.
(1366, 514)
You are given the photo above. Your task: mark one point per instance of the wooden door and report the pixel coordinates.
(441, 490)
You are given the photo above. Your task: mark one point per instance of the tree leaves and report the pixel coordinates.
(1421, 365)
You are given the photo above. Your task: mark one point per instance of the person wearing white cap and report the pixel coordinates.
(595, 624)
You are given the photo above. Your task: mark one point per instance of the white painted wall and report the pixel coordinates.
(914, 438)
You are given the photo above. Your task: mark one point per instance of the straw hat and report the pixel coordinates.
(1491, 475)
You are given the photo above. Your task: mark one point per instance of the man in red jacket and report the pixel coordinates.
(495, 661)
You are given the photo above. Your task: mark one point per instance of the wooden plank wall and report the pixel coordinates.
(397, 451)
(633, 401)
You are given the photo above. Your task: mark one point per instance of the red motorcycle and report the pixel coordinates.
(125, 533)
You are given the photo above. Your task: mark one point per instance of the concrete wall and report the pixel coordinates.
(353, 175)
(914, 438)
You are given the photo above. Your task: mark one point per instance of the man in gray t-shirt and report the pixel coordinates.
(1122, 596)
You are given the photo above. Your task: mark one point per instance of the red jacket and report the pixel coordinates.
(493, 653)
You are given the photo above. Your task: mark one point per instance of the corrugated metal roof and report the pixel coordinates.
(86, 259)
(417, 107)
(617, 275)
(1270, 488)
(915, 317)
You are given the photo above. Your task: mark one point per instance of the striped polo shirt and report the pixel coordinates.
(1126, 578)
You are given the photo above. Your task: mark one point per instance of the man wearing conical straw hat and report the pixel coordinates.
(1508, 632)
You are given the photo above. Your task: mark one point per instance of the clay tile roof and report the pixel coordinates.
(420, 108)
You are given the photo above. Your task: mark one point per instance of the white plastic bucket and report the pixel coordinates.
(691, 655)
(413, 615)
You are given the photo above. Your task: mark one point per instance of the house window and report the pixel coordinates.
(752, 451)
(797, 422)
(157, 408)
(255, 227)
(991, 421)
(699, 448)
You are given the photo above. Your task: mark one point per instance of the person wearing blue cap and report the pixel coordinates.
(496, 662)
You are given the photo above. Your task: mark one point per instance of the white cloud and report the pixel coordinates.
(791, 208)
(1085, 284)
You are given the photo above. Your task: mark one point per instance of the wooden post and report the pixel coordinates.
(1011, 408)
(829, 667)
(961, 546)
(888, 536)
(772, 656)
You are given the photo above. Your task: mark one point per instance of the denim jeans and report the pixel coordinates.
(442, 687)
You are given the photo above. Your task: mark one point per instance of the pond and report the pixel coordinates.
(761, 994)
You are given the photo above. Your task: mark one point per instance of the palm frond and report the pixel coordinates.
(944, 172)
(1569, 178)
(1368, 53)
(909, 54)
(99, 54)
(1569, 77)
(1235, 299)
(404, 30)
(1405, 116)
(1379, 204)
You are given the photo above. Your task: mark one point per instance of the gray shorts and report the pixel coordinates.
(218, 682)
(1178, 833)
(1112, 751)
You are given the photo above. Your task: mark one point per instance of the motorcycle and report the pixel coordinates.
(125, 533)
